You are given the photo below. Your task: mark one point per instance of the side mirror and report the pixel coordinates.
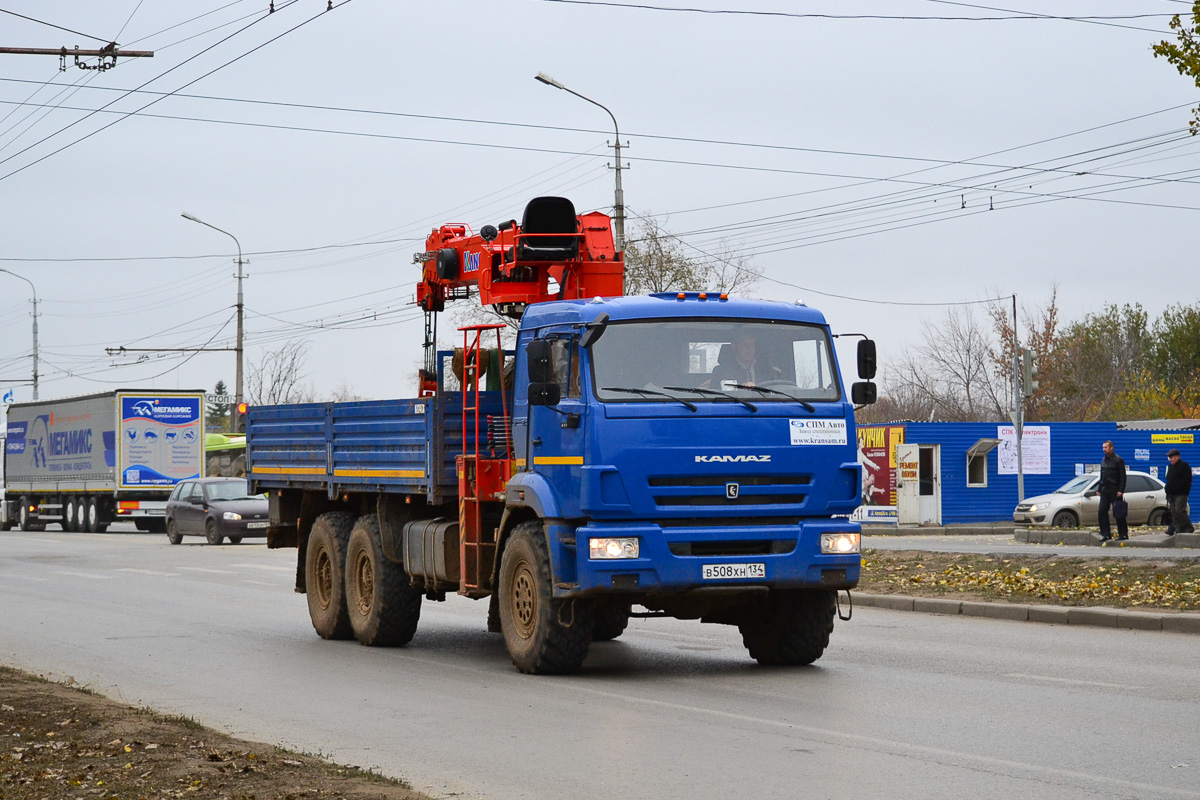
(867, 362)
(863, 393)
(544, 394)
(593, 331)
(197, 501)
(1090, 494)
(538, 353)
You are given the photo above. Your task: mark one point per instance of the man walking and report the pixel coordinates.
(1112, 488)
(1179, 486)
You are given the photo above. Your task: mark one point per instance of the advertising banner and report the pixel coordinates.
(877, 454)
(162, 439)
(1035, 450)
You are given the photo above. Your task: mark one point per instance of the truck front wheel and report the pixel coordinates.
(383, 605)
(543, 635)
(324, 574)
(610, 622)
(792, 628)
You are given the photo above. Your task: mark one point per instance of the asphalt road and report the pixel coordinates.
(902, 705)
(1005, 543)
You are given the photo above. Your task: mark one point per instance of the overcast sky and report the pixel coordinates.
(884, 161)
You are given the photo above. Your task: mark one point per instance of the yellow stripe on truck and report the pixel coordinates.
(288, 471)
(558, 461)
(379, 473)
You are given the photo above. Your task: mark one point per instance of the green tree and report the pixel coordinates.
(1099, 358)
(216, 419)
(1184, 55)
(1173, 362)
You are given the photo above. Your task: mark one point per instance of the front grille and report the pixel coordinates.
(1023, 507)
(682, 491)
(727, 522)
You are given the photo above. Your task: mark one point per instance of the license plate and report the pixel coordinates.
(155, 512)
(725, 572)
(257, 524)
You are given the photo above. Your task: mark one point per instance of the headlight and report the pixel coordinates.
(840, 543)
(231, 515)
(1035, 507)
(613, 548)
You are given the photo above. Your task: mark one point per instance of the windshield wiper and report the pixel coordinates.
(686, 404)
(808, 406)
(714, 393)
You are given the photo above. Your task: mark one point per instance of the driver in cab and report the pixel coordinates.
(740, 363)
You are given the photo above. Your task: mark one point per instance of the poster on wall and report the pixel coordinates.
(877, 455)
(1035, 454)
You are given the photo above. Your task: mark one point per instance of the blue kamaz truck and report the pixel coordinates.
(685, 454)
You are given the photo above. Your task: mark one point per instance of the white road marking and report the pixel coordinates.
(206, 569)
(1070, 681)
(260, 583)
(155, 572)
(94, 576)
(265, 566)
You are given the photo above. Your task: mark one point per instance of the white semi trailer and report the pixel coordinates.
(86, 462)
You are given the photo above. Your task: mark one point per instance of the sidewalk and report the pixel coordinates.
(1057, 615)
(1058, 536)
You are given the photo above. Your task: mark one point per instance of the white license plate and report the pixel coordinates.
(155, 512)
(725, 572)
(257, 524)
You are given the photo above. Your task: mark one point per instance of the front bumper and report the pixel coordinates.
(674, 559)
(1039, 518)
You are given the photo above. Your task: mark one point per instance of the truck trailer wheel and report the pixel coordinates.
(71, 514)
(382, 604)
(27, 523)
(543, 635)
(324, 574)
(91, 514)
(792, 629)
(610, 622)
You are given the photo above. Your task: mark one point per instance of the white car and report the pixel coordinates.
(1075, 503)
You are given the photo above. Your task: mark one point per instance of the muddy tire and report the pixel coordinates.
(173, 534)
(1065, 519)
(324, 573)
(792, 628)
(383, 606)
(212, 533)
(610, 622)
(543, 635)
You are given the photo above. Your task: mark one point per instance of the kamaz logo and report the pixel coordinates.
(732, 459)
(471, 262)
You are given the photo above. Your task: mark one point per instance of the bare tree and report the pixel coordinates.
(951, 372)
(657, 261)
(276, 376)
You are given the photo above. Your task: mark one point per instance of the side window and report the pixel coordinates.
(195, 493)
(1137, 483)
(564, 361)
(175, 493)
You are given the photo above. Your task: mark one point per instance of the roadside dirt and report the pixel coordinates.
(1161, 584)
(59, 742)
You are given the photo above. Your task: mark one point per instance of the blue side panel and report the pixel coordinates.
(404, 446)
(1071, 444)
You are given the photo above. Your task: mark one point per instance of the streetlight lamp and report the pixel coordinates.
(237, 423)
(619, 204)
(35, 332)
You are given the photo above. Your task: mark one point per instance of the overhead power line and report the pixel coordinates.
(52, 25)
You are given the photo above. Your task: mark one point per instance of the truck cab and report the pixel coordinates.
(661, 461)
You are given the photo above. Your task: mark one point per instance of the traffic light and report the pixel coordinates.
(1029, 371)
(239, 418)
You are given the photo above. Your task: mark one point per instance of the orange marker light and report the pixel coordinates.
(703, 295)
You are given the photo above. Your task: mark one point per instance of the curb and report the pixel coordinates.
(1055, 615)
(1087, 538)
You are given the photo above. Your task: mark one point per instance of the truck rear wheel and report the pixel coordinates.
(610, 622)
(383, 606)
(91, 515)
(71, 513)
(792, 629)
(324, 574)
(543, 635)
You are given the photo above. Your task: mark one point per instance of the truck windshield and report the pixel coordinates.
(722, 360)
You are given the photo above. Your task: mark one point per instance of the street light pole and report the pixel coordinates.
(237, 423)
(619, 198)
(35, 329)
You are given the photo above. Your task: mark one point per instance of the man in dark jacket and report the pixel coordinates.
(1112, 488)
(1179, 486)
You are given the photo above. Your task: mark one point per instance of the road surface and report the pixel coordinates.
(902, 705)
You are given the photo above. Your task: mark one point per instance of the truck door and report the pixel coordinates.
(556, 431)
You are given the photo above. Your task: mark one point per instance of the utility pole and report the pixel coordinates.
(619, 194)
(238, 423)
(35, 329)
(1018, 407)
